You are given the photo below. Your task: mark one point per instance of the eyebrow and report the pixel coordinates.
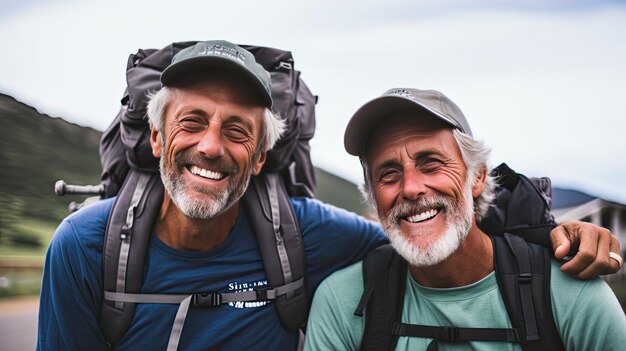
(237, 119)
(420, 155)
(195, 111)
(426, 153)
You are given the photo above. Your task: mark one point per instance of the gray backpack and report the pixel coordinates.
(130, 172)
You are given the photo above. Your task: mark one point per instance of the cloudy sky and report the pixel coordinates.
(542, 82)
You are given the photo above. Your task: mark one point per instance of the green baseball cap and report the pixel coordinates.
(218, 54)
(395, 100)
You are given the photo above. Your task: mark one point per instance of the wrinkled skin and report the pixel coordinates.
(589, 244)
(215, 127)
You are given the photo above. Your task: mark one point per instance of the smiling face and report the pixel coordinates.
(208, 145)
(419, 182)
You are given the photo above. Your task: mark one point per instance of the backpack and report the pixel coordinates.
(125, 144)
(522, 271)
(131, 172)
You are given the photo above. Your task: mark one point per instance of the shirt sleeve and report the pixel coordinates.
(333, 238)
(69, 302)
(587, 313)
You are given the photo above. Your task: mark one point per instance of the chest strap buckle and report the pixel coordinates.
(206, 300)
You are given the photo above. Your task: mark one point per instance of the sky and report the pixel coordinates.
(541, 82)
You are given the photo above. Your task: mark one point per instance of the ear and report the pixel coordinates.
(258, 163)
(155, 142)
(479, 182)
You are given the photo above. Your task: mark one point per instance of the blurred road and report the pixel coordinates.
(18, 323)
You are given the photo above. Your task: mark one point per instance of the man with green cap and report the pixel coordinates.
(211, 126)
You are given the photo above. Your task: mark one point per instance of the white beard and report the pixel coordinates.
(458, 222)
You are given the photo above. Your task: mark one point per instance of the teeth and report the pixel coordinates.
(422, 216)
(206, 173)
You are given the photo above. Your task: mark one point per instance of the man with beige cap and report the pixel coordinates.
(444, 283)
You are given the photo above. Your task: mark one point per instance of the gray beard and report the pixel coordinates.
(458, 223)
(199, 208)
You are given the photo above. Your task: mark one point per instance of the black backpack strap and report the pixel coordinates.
(384, 274)
(278, 235)
(131, 221)
(523, 273)
(454, 334)
(384, 279)
(125, 244)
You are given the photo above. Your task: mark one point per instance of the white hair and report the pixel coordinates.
(271, 129)
(475, 155)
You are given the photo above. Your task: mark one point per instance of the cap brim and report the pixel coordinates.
(367, 116)
(184, 71)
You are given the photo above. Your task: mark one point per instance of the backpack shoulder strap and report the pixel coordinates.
(384, 279)
(523, 274)
(130, 222)
(278, 235)
(133, 214)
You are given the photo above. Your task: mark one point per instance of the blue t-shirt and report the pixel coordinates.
(71, 293)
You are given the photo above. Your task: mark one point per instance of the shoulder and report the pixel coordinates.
(587, 313)
(85, 227)
(568, 288)
(340, 293)
(332, 323)
(345, 285)
(93, 214)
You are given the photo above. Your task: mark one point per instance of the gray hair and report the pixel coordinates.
(271, 129)
(475, 155)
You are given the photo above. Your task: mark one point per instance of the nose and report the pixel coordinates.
(412, 184)
(211, 143)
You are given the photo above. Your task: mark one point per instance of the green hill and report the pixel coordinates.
(338, 191)
(35, 151)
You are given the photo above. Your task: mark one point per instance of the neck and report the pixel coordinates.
(177, 230)
(471, 262)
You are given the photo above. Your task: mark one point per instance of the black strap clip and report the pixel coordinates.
(261, 295)
(525, 278)
(451, 334)
(206, 300)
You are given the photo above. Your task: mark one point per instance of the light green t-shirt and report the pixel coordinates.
(587, 313)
